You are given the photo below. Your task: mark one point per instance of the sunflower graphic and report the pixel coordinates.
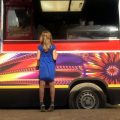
(105, 66)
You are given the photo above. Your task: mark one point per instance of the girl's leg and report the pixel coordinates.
(41, 91)
(52, 91)
(41, 94)
(52, 94)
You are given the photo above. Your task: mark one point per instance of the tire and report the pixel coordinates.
(86, 96)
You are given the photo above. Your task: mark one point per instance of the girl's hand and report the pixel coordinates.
(37, 67)
(55, 55)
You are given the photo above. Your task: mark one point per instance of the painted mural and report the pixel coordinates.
(19, 69)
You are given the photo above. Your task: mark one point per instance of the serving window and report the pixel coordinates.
(67, 20)
(78, 19)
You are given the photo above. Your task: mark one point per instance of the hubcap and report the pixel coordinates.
(86, 100)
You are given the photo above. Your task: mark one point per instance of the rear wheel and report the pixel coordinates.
(87, 96)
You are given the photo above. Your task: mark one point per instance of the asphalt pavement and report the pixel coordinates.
(110, 113)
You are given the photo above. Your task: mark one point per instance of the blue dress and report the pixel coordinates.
(47, 64)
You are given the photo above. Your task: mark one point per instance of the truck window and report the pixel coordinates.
(79, 19)
(65, 19)
(18, 25)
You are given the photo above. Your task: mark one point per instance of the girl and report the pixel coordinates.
(46, 56)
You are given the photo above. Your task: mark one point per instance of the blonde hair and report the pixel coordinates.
(46, 40)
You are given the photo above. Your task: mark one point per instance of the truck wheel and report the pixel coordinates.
(87, 96)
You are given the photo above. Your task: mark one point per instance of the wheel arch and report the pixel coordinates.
(99, 82)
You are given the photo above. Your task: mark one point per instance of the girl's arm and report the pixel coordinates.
(38, 55)
(38, 58)
(55, 54)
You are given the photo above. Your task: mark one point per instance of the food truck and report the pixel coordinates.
(86, 35)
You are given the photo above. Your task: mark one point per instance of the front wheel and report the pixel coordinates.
(87, 96)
